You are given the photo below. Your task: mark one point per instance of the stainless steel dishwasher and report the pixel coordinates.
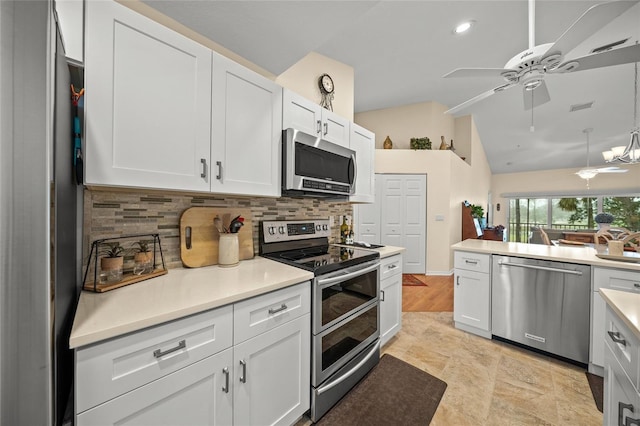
(542, 304)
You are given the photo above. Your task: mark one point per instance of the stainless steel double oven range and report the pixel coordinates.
(345, 317)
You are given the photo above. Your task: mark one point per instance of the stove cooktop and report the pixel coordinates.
(324, 259)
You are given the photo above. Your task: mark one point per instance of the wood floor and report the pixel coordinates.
(435, 296)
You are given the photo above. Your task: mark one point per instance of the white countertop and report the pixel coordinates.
(626, 305)
(573, 254)
(179, 293)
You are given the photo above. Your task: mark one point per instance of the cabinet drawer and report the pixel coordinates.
(623, 344)
(621, 401)
(106, 370)
(390, 266)
(616, 279)
(263, 313)
(472, 261)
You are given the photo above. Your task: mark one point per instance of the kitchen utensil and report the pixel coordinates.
(218, 224)
(236, 224)
(205, 237)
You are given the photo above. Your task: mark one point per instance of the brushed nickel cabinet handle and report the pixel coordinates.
(382, 294)
(458, 280)
(219, 175)
(326, 128)
(203, 161)
(615, 336)
(280, 309)
(225, 388)
(319, 126)
(636, 285)
(243, 376)
(159, 353)
(471, 262)
(621, 407)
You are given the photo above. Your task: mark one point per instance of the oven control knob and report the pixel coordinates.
(318, 227)
(281, 229)
(272, 230)
(325, 227)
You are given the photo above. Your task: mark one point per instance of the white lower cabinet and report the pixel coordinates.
(472, 293)
(194, 395)
(616, 279)
(621, 364)
(272, 375)
(390, 297)
(192, 371)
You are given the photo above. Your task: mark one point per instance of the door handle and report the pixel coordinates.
(382, 295)
(458, 280)
(225, 388)
(326, 128)
(203, 161)
(243, 376)
(219, 175)
(621, 407)
(319, 126)
(541, 268)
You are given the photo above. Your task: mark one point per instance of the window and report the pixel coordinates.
(569, 213)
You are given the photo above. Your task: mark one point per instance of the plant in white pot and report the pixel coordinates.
(604, 220)
(111, 263)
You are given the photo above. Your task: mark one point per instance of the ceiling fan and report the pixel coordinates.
(589, 173)
(528, 68)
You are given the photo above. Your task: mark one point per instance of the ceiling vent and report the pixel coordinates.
(578, 107)
(609, 46)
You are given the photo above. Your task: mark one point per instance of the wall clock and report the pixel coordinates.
(325, 83)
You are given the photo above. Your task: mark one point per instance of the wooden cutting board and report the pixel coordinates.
(203, 247)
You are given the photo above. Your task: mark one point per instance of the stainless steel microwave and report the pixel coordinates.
(314, 166)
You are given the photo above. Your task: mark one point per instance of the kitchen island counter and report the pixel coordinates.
(179, 293)
(573, 254)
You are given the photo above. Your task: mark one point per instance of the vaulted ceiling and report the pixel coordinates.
(401, 49)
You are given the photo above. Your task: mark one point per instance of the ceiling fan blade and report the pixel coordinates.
(622, 55)
(591, 21)
(478, 98)
(611, 170)
(536, 97)
(476, 72)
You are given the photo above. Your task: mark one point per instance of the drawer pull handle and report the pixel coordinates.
(243, 376)
(394, 266)
(636, 285)
(280, 309)
(382, 294)
(615, 336)
(621, 407)
(471, 262)
(632, 422)
(225, 388)
(159, 353)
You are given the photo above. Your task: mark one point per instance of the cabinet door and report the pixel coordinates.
(390, 307)
(301, 114)
(598, 326)
(362, 142)
(147, 102)
(621, 401)
(472, 299)
(272, 375)
(367, 216)
(193, 395)
(246, 131)
(335, 128)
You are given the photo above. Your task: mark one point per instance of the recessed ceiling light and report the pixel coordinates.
(463, 27)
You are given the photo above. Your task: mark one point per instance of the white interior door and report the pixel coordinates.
(397, 218)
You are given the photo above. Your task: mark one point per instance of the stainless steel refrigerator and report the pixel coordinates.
(39, 217)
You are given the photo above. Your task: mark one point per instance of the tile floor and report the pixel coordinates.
(489, 382)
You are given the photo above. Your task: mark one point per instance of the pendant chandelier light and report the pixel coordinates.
(631, 153)
(587, 173)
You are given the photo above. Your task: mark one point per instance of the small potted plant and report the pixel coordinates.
(604, 220)
(111, 262)
(142, 258)
(420, 143)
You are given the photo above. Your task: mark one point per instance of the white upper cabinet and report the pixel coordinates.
(246, 131)
(147, 103)
(302, 114)
(71, 24)
(362, 141)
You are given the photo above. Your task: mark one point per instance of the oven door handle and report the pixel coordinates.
(344, 277)
(328, 386)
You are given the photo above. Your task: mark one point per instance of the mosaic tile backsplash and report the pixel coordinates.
(114, 213)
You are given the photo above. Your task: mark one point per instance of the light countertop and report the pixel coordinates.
(626, 305)
(573, 254)
(179, 293)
